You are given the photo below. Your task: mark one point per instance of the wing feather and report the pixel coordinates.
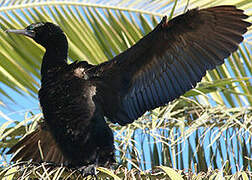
(171, 59)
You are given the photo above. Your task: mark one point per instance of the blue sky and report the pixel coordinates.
(17, 110)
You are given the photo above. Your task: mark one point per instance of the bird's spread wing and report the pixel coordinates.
(172, 58)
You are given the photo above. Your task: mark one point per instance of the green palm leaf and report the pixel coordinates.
(97, 31)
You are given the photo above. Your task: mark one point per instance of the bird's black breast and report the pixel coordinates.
(73, 114)
(66, 98)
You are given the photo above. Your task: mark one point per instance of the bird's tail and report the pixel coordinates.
(38, 146)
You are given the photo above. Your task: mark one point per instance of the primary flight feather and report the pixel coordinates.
(159, 68)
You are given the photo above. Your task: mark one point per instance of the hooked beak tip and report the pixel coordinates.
(7, 30)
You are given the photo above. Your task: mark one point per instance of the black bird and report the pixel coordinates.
(159, 68)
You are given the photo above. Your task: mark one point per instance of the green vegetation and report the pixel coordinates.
(206, 134)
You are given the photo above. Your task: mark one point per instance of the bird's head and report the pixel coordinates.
(43, 33)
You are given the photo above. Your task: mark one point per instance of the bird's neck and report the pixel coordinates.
(55, 56)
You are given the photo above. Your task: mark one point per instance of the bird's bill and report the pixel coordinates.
(25, 32)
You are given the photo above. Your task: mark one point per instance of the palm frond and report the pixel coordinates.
(193, 133)
(106, 28)
(191, 138)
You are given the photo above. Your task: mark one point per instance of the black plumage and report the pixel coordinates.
(159, 68)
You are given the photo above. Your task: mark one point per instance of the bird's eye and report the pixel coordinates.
(31, 27)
